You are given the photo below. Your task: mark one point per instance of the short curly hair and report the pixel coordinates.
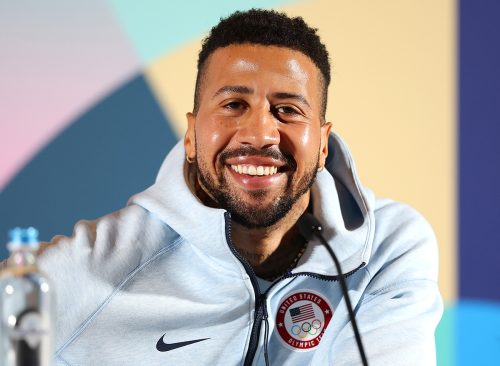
(268, 28)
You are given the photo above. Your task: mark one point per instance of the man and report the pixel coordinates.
(208, 267)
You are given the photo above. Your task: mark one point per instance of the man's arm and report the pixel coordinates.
(401, 307)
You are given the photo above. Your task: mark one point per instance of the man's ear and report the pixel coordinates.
(189, 137)
(323, 152)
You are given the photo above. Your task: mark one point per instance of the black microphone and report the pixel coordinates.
(308, 227)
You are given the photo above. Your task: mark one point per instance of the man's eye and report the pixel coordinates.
(233, 105)
(286, 110)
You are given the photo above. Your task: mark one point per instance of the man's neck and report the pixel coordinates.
(268, 250)
(272, 250)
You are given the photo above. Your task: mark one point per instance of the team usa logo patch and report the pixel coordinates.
(302, 319)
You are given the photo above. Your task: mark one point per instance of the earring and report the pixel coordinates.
(320, 169)
(189, 160)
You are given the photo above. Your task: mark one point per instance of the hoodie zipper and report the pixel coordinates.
(312, 275)
(260, 302)
(261, 299)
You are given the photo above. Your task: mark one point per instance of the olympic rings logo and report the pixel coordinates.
(307, 328)
(302, 318)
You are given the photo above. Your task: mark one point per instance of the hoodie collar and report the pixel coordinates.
(339, 202)
(171, 200)
(345, 211)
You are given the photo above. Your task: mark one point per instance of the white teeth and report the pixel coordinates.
(255, 170)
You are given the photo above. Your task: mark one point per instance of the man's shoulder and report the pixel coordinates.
(404, 242)
(118, 241)
(87, 267)
(392, 217)
(89, 234)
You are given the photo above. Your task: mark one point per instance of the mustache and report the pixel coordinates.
(248, 150)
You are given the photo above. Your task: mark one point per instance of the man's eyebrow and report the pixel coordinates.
(299, 97)
(238, 89)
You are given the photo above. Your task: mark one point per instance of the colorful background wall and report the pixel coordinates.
(93, 95)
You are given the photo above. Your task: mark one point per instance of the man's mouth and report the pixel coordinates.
(253, 170)
(257, 173)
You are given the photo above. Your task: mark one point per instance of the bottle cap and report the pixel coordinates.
(20, 237)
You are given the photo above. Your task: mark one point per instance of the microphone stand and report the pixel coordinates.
(309, 226)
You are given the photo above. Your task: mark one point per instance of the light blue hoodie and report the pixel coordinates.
(133, 285)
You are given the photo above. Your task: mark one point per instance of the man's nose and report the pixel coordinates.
(259, 129)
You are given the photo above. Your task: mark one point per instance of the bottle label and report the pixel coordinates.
(29, 327)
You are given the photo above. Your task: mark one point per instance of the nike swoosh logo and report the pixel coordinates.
(165, 347)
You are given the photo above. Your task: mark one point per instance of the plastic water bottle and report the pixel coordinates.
(26, 305)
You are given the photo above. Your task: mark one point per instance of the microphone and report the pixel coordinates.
(309, 227)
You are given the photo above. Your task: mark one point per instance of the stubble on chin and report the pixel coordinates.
(255, 215)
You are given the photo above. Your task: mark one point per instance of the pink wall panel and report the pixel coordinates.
(55, 63)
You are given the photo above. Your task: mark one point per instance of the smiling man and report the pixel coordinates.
(208, 266)
(256, 139)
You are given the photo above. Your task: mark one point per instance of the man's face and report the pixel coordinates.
(257, 137)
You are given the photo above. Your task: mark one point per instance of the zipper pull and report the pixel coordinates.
(263, 306)
(266, 328)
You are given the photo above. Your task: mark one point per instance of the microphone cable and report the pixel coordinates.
(309, 226)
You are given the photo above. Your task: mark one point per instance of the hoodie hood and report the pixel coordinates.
(345, 210)
(340, 203)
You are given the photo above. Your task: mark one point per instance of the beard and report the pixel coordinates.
(256, 215)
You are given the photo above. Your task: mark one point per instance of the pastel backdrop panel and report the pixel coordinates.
(93, 95)
(57, 61)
